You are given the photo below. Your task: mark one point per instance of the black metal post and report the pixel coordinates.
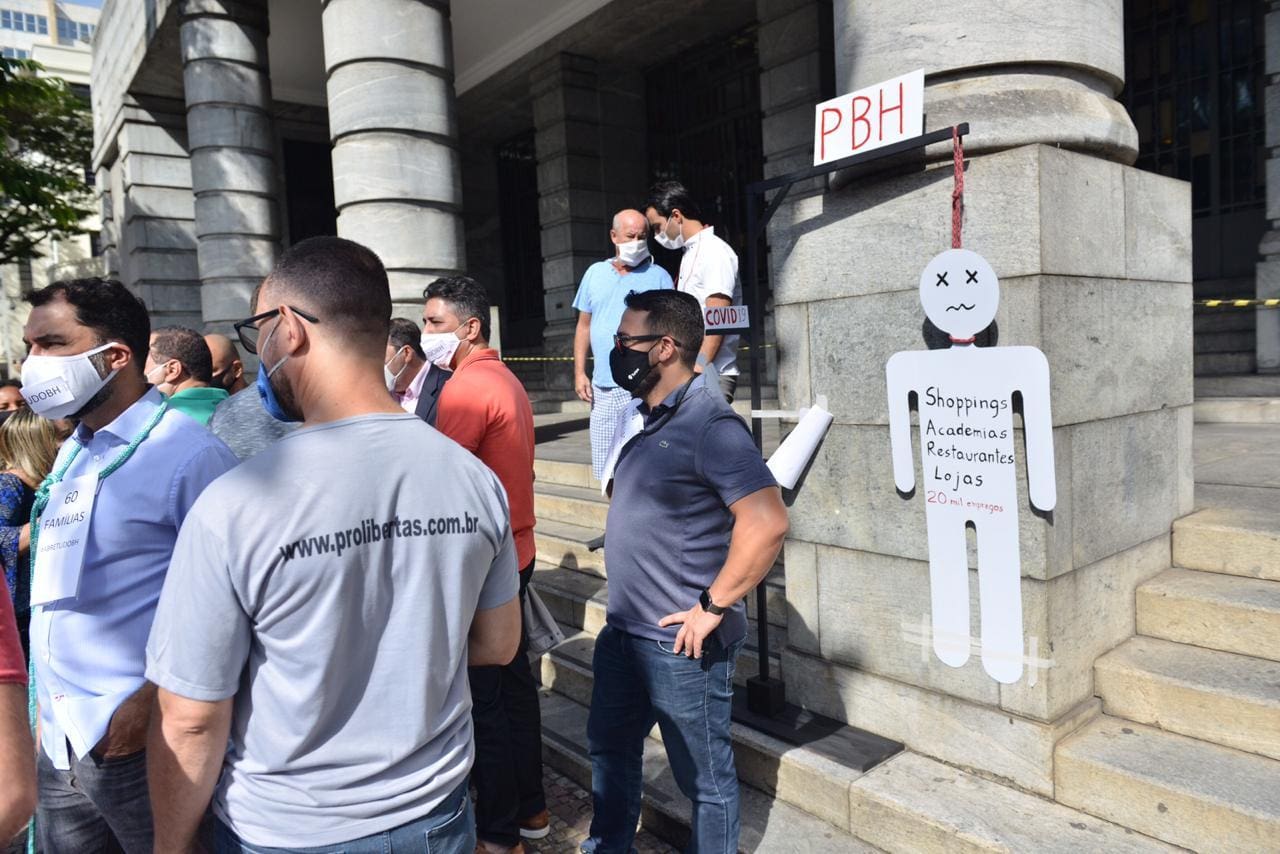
(766, 695)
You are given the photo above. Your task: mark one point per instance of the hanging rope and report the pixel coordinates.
(957, 193)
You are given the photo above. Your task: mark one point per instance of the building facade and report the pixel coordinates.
(498, 137)
(58, 35)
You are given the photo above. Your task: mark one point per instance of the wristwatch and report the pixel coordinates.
(707, 605)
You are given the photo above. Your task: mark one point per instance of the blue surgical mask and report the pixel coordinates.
(265, 391)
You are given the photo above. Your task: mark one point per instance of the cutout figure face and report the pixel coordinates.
(960, 293)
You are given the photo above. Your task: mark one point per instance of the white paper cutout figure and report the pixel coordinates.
(967, 454)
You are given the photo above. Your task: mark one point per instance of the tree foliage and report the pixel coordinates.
(46, 139)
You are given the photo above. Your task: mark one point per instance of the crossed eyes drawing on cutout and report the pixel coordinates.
(968, 459)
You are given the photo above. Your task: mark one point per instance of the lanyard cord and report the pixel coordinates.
(37, 508)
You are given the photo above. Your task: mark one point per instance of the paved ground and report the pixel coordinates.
(570, 807)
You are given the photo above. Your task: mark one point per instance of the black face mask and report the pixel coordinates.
(629, 367)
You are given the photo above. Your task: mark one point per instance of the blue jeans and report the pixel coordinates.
(639, 682)
(448, 829)
(96, 805)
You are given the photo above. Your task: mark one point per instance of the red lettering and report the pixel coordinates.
(860, 117)
(897, 109)
(822, 146)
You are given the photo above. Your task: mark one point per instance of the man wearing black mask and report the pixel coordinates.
(696, 522)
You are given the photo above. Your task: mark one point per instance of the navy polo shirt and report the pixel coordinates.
(669, 523)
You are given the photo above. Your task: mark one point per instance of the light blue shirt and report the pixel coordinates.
(89, 652)
(602, 294)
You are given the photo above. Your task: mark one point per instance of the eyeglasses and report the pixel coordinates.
(247, 330)
(623, 342)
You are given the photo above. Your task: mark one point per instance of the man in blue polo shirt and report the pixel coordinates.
(695, 523)
(600, 304)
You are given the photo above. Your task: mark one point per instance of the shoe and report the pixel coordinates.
(536, 826)
(483, 847)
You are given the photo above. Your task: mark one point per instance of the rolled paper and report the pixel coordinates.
(789, 461)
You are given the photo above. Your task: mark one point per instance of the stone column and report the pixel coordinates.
(572, 205)
(150, 228)
(793, 71)
(392, 118)
(1268, 320)
(232, 143)
(1094, 259)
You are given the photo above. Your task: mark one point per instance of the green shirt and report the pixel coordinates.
(198, 403)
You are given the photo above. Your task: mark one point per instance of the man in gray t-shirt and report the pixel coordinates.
(326, 596)
(245, 427)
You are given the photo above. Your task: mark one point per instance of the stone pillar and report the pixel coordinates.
(1094, 259)
(392, 118)
(232, 144)
(151, 231)
(1268, 320)
(589, 125)
(794, 69)
(572, 205)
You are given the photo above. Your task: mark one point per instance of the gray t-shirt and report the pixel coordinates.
(245, 427)
(329, 584)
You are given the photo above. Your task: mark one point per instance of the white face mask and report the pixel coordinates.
(160, 382)
(60, 386)
(632, 254)
(670, 242)
(440, 347)
(390, 377)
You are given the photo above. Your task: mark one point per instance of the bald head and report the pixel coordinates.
(629, 222)
(228, 370)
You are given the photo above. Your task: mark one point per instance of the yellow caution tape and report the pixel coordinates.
(1238, 303)
(570, 358)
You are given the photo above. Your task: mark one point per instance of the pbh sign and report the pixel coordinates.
(870, 118)
(725, 318)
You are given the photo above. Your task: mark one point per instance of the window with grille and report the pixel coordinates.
(1194, 89)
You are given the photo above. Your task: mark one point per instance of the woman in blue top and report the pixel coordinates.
(28, 446)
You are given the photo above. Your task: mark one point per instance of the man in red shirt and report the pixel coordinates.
(17, 752)
(485, 409)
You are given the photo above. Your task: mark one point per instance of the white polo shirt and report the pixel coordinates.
(709, 267)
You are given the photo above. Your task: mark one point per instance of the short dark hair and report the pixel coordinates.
(667, 196)
(10, 383)
(465, 296)
(673, 313)
(405, 333)
(188, 347)
(342, 282)
(107, 307)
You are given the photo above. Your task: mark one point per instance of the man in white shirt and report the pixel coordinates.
(413, 382)
(708, 270)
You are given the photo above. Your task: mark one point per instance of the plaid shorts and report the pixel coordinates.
(606, 406)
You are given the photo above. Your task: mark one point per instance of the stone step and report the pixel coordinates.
(546, 405)
(1219, 364)
(565, 472)
(914, 804)
(1240, 539)
(1225, 341)
(563, 544)
(579, 600)
(567, 668)
(769, 824)
(1181, 790)
(1231, 700)
(1238, 385)
(1238, 410)
(560, 544)
(1206, 609)
(574, 505)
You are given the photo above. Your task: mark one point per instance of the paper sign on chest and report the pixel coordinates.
(965, 397)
